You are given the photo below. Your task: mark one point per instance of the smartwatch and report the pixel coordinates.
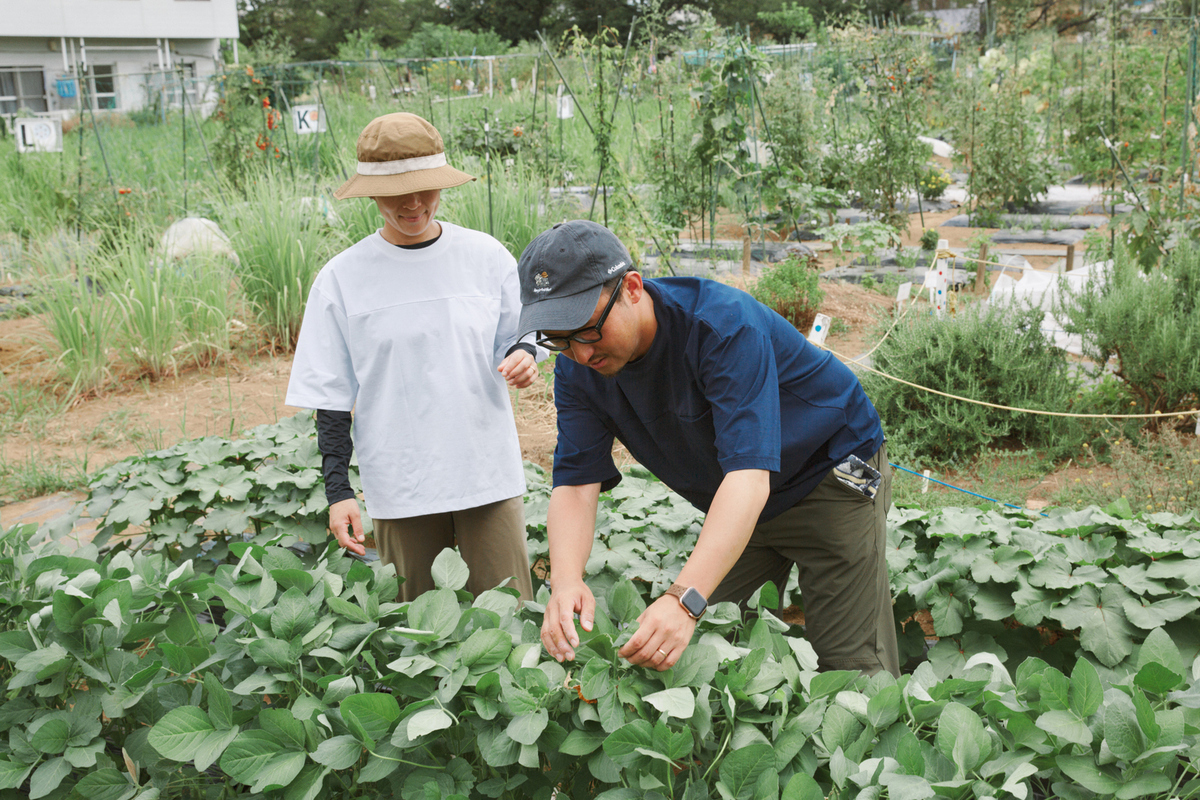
(694, 604)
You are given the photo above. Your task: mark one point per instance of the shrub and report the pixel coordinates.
(792, 290)
(984, 353)
(933, 183)
(1149, 323)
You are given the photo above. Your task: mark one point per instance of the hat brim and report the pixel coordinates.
(560, 313)
(421, 180)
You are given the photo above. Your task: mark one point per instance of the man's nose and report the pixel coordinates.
(582, 352)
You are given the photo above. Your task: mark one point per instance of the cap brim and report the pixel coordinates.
(422, 180)
(560, 313)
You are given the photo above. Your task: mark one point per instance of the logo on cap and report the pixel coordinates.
(541, 282)
(616, 267)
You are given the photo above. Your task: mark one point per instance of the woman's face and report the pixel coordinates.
(408, 218)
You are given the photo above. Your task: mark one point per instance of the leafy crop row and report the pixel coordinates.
(301, 678)
(260, 662)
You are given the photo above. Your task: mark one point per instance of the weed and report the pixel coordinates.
(115, 427)
(792, 289)
(37, 476)
(929, 239)
(1159, 472)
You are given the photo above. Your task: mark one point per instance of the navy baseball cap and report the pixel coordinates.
(562, 274)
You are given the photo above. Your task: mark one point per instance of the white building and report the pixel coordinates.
(129, 53)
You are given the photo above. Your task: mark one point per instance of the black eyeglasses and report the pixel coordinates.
(589, 335)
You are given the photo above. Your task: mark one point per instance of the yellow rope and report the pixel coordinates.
(1156, 414)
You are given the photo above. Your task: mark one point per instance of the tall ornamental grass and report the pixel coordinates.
(171, 314)
(281, 244)
(518, 210)
(81, 321)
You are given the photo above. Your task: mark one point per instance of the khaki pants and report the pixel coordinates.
(838, 539)
(491, 539)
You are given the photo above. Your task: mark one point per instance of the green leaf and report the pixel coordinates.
(449, 570)
(1065, 725)
(1156, 678)
(741, 769)
(249, 754)
(959, 722)
(293, 615)
(436, 611)
(625, 602)
(1083, 770)
(275, 653)
(294, 578)
(1100, 618)
(884, 708)
(51, 737)
(49, 660)
(622, 744)
(427, 720)
(308, 784)
(338, 752)
(1147, 784)
(283, 726)
(370, 715)
(802, 787)
(1121, 730)
(179, 732)
(1160, 648)
(485, 648)
(580, 742)
(1149, 616)
(13, 773)
(526, 728)
(105, 784)
(47, 777)
(212, 746)
(828, 683)
(1086, 692)
(678, 703)
(220, 708)
(279, 771)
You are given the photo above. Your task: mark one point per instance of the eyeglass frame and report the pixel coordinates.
(573, 336)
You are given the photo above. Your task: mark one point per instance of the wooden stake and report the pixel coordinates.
(981, 281)
(746, 256)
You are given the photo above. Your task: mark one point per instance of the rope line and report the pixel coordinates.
(1155, 415)
(964, 491)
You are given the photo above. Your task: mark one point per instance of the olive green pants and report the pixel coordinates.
(838, 540)
(490, 538)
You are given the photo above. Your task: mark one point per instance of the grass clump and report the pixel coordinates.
(792, 289)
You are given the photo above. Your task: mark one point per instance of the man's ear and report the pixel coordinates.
(633, 286)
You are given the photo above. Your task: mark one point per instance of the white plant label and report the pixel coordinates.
(38, 135)
(820, 329)
(308, 119)
(904, 292)
(566, 106)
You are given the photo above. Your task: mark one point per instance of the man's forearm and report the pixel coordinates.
(570, 527)
(727, 528)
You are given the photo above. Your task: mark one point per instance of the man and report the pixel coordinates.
(414, 330)
(731, 407)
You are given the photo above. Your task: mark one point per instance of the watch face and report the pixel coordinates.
(694, 603)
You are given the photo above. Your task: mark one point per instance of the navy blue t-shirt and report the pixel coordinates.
(727, 384)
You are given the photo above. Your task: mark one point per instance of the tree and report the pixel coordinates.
(316, 28)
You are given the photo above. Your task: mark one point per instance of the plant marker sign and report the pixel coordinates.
(820, 329)
(38, 135)
(938, 281)
(308, 119)
(566, 104)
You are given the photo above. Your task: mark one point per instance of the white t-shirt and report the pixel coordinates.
(410, 341)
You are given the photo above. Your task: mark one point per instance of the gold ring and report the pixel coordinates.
(664, 655)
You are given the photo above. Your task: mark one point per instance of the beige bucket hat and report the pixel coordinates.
(398, 154)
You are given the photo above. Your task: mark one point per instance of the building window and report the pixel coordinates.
(22, 88)
(103, 86)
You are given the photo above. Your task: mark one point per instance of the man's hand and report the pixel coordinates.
(664, 632)
(346, 523)
(558, 625)
(519, 368)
